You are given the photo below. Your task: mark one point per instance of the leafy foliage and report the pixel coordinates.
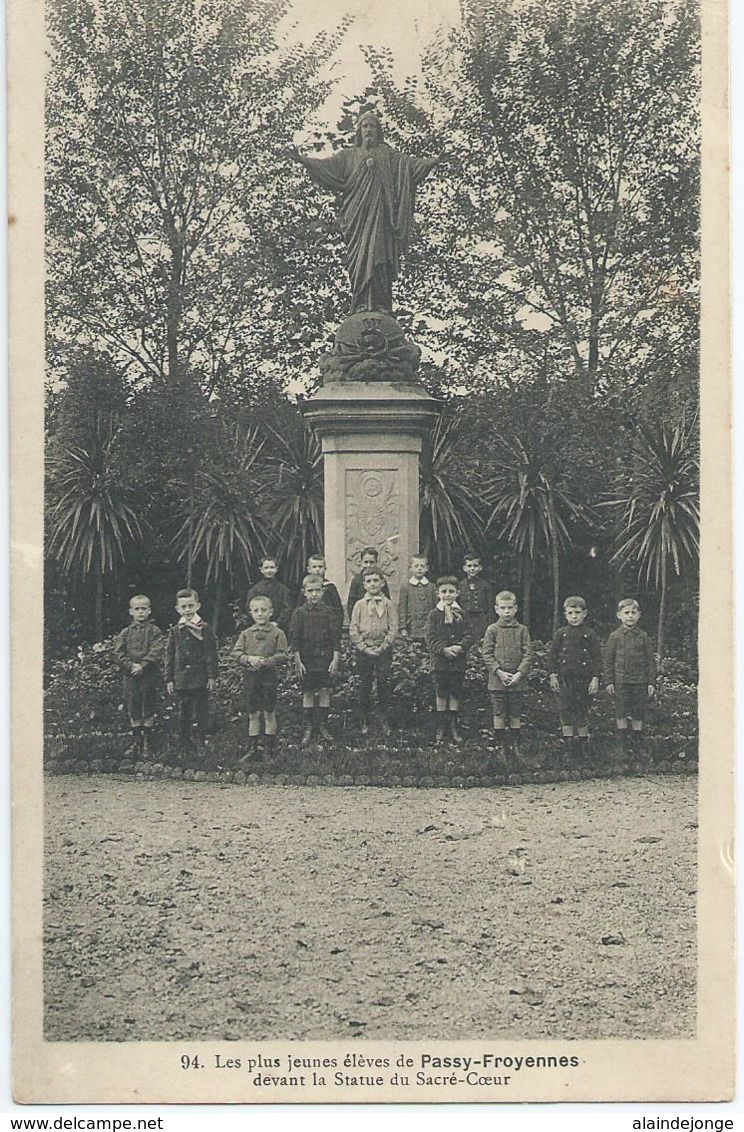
(567, 229)
(164, 122)
(293, 480)
(225, 528)
(450, 518)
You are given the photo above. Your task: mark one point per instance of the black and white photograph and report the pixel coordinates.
(376, 678)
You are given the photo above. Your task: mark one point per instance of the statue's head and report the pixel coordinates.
(368, 129)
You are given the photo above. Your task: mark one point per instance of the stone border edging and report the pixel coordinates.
(238, 777)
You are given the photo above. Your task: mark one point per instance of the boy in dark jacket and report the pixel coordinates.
(417, 598)
(448, 639)
(329, 594)
(314, 638)
(575, 666)
(506, 652)
(139, 651)
(630, 672)
(274, 590)
(190, 666)
(476, 597)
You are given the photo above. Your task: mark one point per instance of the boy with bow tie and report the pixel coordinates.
(190, 666)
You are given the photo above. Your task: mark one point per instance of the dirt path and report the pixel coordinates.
(178, 910)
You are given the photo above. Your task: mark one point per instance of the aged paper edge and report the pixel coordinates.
(85, 1072)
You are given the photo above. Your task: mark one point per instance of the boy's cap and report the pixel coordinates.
(574, 603)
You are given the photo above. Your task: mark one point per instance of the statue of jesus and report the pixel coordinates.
(377, 186)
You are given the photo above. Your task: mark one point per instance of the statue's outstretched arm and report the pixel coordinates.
(328, 172)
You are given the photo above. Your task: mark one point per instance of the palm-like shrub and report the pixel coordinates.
(534, 508)
(659, 510)
(450, 514)
(94, 514)
(294, 490)
(223, 529)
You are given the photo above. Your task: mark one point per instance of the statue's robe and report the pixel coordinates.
(377, 186)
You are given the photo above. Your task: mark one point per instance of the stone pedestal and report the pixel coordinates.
(371, 435)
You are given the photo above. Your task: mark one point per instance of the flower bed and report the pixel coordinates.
(87, 729)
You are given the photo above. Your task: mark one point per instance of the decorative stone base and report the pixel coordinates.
(371, 436)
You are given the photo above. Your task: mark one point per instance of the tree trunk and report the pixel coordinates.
(527, 570)
(556, 572)
(99, 606)
(190, 548)
(174, 305)
(661, 630)
(217, 607)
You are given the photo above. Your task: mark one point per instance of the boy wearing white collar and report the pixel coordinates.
(418, 596)
(190, 667)
(448, 638)
(372, 630)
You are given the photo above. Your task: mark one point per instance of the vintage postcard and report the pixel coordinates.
(371, 539)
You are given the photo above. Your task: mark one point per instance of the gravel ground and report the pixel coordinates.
(179, 910)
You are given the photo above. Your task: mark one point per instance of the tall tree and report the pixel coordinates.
(165, 121)
(568, 229)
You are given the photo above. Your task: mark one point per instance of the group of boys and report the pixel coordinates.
(447, 618)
